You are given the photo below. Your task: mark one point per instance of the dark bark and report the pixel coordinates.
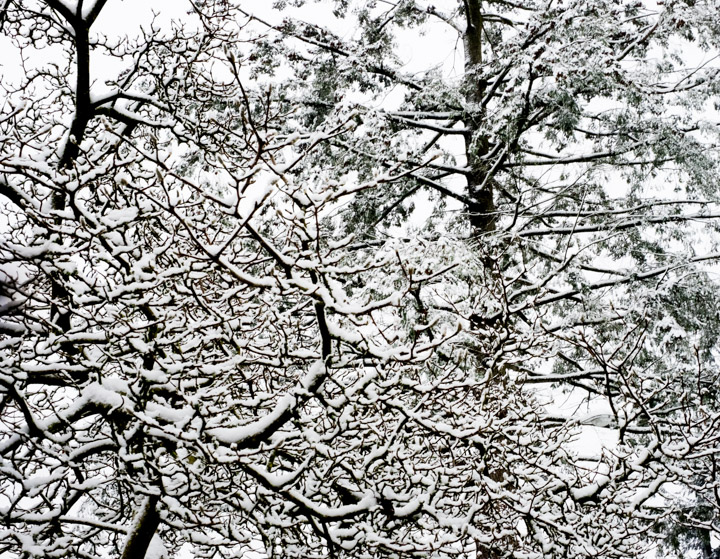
(83, 114)
(147, 519)
(480, 191)
(146, 523)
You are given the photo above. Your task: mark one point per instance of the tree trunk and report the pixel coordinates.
(143, 529)
(482, 210)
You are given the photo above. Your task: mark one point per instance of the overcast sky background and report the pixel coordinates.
(440, 47)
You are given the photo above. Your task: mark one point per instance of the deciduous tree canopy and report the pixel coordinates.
(274, 290)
